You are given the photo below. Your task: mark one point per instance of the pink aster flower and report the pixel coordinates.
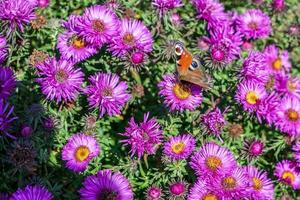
(212, 160)
(249, 94)
(254, 24)
(266, 107)
(278, 5)
(179, 147)
(143, 137)
(74, 48)
(287, 173)
(253, 148)
(296, 152)
(178, 190)
(16, 14)
(107, 93)
(212, 11)
(261, 187)
(98, 25)
(32, 192)
(79, 151)
(178, 96)
(164, 6)
(288, 86)
(214, 121)
(154, 193)
(3, 49)
(132, 35)
(204, 191)
(277, 62)
(288, 116)
(59, 80)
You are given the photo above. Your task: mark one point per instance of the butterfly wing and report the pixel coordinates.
(197, 77)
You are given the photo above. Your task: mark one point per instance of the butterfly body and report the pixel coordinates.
(189, 67)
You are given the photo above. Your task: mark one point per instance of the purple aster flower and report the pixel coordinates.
(212, 160)
(261, 187)
(26, 131)
(249, 94)
(143, 137)
(132, 35)
(214, 121)
(163, 6)
(106, 185)
(202, 190)
(107, 93)
(278, 5)
(179, 147)
(175, 18)
(253, 148)
(296, 152)
(232, 184)
(74, 48)
(254, 67)
(287, 173)
(135, 60)
(30, 192)
(212, 11)
(5, 117)
(4, 196)
(288, 116)
(79, 151)
(178, 96)
(3, 49)
(224, 46)
(59, 80)
(15, 14)
(266, 107)
(99, 25)
(254, 24)
(7, 82)
(288, 86)
(178, 189)
(72, 23)
(277, 63)
(154, 193)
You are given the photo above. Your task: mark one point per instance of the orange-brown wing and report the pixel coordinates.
(184, 61)
(197, 77)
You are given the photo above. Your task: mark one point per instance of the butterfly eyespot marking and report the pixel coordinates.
(178, 49)
(194, 65)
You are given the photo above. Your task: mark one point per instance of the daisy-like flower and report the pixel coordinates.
(178, 96)
(249, 94)
(224, 46)
(154, 193)
(179, 147)
(277, 62)
(254, 24)
(212, 11)
(5, 112)
(178, 189)
(106, 185)
(79, 151)
(232, 184)
(15, 14)
(163, 6)
(212, 159)
(266, 107)
(288, 86)
(261, 187)
(214, 121)
(59, 80)
(7, 82)
(288, 116)
(32, 192)
(107, 93)
(98, 25)
(253, 148)
(202, 190)
(73, 47)
(132, 35)
(3, 49)
(296, 152)
(287, 173)
(143, 137)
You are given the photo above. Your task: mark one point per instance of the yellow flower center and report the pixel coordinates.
(128, 39)
(292, 86)
(98, 25)
(277, 64)
(257, 184)
(82, 153)
(229, 183)
(251, 97)
(78, 42)
(181, 91)
(292, 115)
(288, 175)
(178, 147)
(213, 162)
(210, 196)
